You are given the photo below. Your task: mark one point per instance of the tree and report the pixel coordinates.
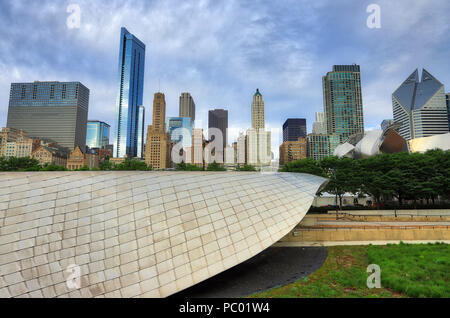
(246, 167)
(306, 165)
(343, 174)
(215, 167)
(19, 164)
(132, 164)
(53, 167)
(187, 167)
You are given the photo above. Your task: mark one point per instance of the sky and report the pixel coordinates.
(222, 50)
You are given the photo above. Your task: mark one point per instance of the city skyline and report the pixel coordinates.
(296, 62)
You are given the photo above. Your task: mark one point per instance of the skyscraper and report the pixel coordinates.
(130, 95)
(420, 107)
(97, 135)
(447, 98)
(258, 111)
(321, 146)
(180, 129)
(294, 128)
(258, 141)
(320, 125)
(218, 119)
(241, 150)
(50, 110)
(197, 147)
(140, 132)
(157, 144)
(187, 107)
(293, 150)
(343, 101)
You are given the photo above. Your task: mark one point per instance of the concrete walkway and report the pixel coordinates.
(353, 243)
(276, 266)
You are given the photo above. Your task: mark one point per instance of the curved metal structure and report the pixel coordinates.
(441, 141)
(138, 234)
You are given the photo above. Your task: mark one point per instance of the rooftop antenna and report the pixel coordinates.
(159, 85)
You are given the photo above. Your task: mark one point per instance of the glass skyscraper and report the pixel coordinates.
(343, 101)
(294, 128)
(50, 110)
(140, 137)
(130, 95)
(97, 134)
(177, 135)
(419, 106)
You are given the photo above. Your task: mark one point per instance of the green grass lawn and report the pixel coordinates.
(420, 270)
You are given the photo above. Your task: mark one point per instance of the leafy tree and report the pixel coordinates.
(215, 167)
(53, 167)
(84, 168)
(307, 165)
(246, 167)
(187, 167)
(106, 165)
(343, 174)
(132, 165)
(19, 164)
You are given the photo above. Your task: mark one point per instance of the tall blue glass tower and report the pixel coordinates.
(129, 97)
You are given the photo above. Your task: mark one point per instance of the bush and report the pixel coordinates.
(246, 168)
(215, 167)
(187, 167)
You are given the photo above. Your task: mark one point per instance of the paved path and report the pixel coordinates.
(274, 267)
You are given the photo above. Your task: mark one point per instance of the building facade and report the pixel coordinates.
(130, 94)
(343, 104)
(97, 134)
(180, 130)
(293, 150)
(321, 146)
(229, 158)
(258, 141)
(218, 118)
(197, 147)
(9, 136)
(420, 107)
(218, 121)
(79, 159)
(157, 147)
(447, 99)
(241, 150)
(258, 111)
(50, 110)
(187, 107)
(140, 131)
(50, 155)
(320, 125)
(294, 128)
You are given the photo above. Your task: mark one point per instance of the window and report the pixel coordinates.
(52, 91)
(34, 91)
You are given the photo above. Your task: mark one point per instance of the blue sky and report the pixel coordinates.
(221, 51)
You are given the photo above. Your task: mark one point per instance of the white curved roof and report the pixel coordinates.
(139, 234)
